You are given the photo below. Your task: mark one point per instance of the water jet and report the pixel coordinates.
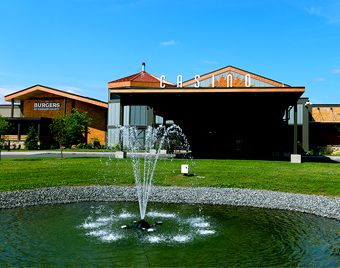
(157, 140)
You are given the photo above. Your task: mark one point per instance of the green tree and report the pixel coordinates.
(69, 129)
(31, 141)
(59, 131)
(77, 125)
(5, 128)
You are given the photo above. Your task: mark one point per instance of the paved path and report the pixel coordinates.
(19, 154)
(23, 154)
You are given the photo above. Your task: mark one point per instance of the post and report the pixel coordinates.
(64, 106)
(121, 123)
(295, 129)
(295, 158)
(19, 134)
(39, 134)
(305, 128)
(12, 108)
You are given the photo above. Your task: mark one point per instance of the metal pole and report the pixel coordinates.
(295, 130)
(12, 108)
(19, 134)
(64, 106)
(121, 122)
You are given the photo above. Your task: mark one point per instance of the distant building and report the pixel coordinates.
(39, 104)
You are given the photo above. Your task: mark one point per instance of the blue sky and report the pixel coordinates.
(81, 45)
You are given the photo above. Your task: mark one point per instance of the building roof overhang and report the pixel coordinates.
(32, 92)
(176, 90)
(180, 101)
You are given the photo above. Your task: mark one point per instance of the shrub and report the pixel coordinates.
(328, 150)
(53, 147)
(316, 150)
(31, 141)
(81, 146)
(89, 146)
(337, 153)
(116, 148)
(96, 142)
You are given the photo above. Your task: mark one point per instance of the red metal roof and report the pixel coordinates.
(138, 77)
(142, 79)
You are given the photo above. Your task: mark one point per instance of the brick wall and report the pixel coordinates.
(98, 116)
(96, 113)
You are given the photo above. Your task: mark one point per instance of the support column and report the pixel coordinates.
(121, 123)
(305, 128)
(295, 158)
(39, 134)
(64, 106)
(121, 115)
(19, 134)
(295, 129)
(12, 108)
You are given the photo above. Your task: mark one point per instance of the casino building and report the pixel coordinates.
(226, 113)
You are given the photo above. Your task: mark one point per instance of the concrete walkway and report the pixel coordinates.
(18, 154)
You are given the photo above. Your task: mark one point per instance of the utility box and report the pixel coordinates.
(185, 169)
(120, 154)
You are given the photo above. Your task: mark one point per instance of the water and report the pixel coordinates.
(156, 139)
(89, 234)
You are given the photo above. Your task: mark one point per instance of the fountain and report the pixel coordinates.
(156, 139)
(88, 234)
(196, 234)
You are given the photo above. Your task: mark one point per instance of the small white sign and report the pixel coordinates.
(185, 169)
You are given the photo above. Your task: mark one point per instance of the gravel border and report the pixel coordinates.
(328, 207)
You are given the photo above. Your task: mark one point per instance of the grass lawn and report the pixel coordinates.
(305, 178)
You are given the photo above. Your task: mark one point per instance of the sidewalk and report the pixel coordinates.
(68, 153)
(53, 152)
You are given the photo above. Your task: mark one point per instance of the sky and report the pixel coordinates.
(80, 45)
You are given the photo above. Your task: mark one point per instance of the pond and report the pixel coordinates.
(89, 234)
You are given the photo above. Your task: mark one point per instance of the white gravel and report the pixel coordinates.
(318, 205)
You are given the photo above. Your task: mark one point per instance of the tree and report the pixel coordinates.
(59, 131)
(77, 125)
(5, 127)
(31, 141)
(69, 129)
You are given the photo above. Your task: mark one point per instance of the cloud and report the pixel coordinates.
(6, 90)
(335, 71)
(319, 79)
(169, 43)
(330, 11)
(69, 89)
(209, 62)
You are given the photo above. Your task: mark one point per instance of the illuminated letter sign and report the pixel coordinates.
(247, 80)
(197, 84)
(162, 78)
(230, 79)
(179, 81)
(46, 105)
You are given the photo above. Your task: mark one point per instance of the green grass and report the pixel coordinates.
(305, 178)
(58, 150)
